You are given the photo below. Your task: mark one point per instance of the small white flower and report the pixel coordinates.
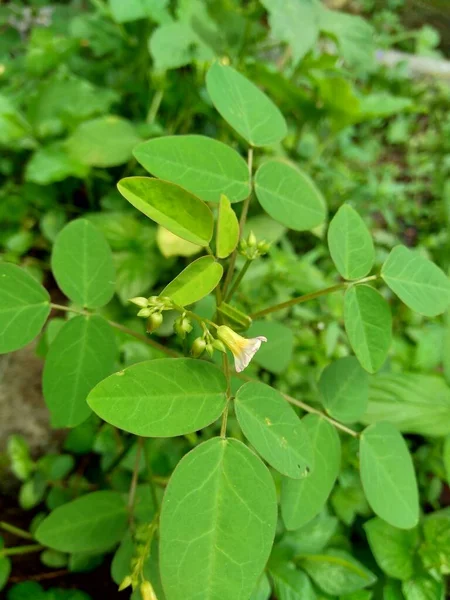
(243, 349)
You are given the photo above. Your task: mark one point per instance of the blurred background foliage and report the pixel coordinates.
(81, 83)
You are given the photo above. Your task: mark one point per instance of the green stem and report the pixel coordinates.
(154, 107)
(242, 221)
(21, 550)
(151, 477)
(311, 296)
(226, 370)
(15, 530)
(134, 482)
(238, 279)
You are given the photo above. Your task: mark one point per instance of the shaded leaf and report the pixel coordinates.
(227, 236)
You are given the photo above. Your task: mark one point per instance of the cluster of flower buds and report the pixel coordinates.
(146, 588)
(250, 248)
(152, 309)
(182, 326)
(206, 343)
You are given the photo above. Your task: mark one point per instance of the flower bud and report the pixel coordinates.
(263, 247)
(144, 312)
(210, 349)
(182, 326)
(220, 346)
(198, 347)
(139, 301)
(154, 321)
(251, 240)
(147, 591)
(125, 583)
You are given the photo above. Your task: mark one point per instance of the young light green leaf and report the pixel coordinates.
(368, 322)
(274, 429)
(202, 165)
(303, 499)
(276, 354)
(244, 106)
(92, 523)
(24, 307)
(418, 282)
(195, 282)
(103, 142)
(5, 570)
(424, 587)
(296, 23)
(291, 584)
(82, 354)
(171, 245)
(171, 206)
(344, 386)
(394, 549)
(217, 523)
(263, 591)
(350, 243)
(161, 398)
(82, 264)
(132, 10)
(336, 572)
(387, 475)
(289, 196)
(313, 537)
(227, 229)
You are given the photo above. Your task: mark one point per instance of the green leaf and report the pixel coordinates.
(217, 523)
(435, 550)
(423, 587)
(82, 264)
(204, 166)
(121, 562)
(350, 243)
(103, 142)
(51, 164)
(394, 549)
(5, 570)
(276, 354)
(418, 282)
(296, 23)
(354, 35)
(177, 44)
(263, 591)
(413, 403)
(344, 386)
(290, 584)
(313, 537)
(133, 10)
(289, 196)
(336, 572)
(24, 307)
(161, 398)
(171, 206)
(274, 429)
(303, 499)
(387, 475)
(446, 457)
(93, 523)
(195, 282)
(170, 244)
(244, 106)
(227, 236)
(82, 354)
(368, 323)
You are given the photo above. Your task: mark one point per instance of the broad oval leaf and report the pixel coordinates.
(244, 106)
(291, 584)
(171, 206)
(276, 354)
(170, 244)
(274, 429)
(82, 354)
(344, 386)
(387, 475)
(82, 264)
(218, 522)
(368, 322)
(289, 196)
(199, 164)
(303, 499)
(24, 307)
(227, 236)
(350, 243)
(92, 523)
(195, 282)
(161, 398)
(418, 282)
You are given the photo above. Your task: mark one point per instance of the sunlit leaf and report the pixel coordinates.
(195, 282)
(227, 229)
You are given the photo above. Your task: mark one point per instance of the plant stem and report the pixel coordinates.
(154, 107)
(238, 279)
(134, 481)
(151, 477)
(311, 296)
(310, 409)
(15, 530)
(77, 311)
(242, 220)
(21, 550)
(226, 370)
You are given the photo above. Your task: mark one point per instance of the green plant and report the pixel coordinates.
(212, 533)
